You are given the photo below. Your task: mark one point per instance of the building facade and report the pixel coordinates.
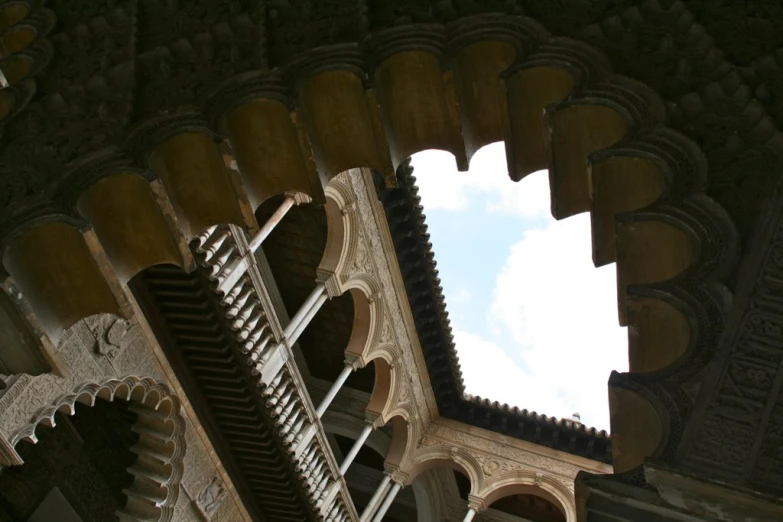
(220, 302)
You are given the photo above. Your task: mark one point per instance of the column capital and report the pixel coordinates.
(373, 418)
(477, 503)
(354, 361)
(330, 281)
(398, 476)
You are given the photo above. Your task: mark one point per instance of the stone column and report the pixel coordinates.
(376, 498)
(387, 502)
(355, 449)
(333, 390)
(298, 319)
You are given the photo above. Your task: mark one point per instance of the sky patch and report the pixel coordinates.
(535, 323)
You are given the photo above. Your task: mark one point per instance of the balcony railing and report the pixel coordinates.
(223, 251)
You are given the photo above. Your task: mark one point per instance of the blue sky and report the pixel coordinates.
(535, 323)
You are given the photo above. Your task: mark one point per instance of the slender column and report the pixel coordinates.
(271, 223)
(333, 391)
(239, 267)
(307, 318)
(469, 515)
(302, 312)
(387, 503)
(356, 446)
(376, 497)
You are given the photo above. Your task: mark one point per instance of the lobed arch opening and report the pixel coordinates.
(444, 456)
(335, 248)
(16, 39)
(14, 69)
(127, 437)
(429, 120)
(382, 387)
(74, 443)
(308, 240)
(400, 440)
(12, 13)
(530, 503)
(293, 252)
(365, 329)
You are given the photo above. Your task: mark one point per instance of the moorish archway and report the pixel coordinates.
(669, 171)
(145, 459)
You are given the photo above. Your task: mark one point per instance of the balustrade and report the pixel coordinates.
(263, 344)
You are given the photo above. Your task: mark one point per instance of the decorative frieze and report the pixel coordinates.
(27, 398)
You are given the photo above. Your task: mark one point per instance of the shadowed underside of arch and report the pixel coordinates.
(166, 119)
(158, 448)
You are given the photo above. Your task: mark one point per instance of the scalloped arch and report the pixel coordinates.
(159, 465)
(368, 314)
(343, 227)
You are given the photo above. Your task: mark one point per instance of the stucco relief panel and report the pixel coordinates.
(370, 244)
(491, 450)
(96, 350)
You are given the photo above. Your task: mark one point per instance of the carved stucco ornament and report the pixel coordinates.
(110, 332)
(211, 497)
(490, 468)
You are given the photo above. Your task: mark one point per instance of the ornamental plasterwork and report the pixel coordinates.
(29, 396)
(374, 256)
(211, 497)
(488, 446)
(496, 457)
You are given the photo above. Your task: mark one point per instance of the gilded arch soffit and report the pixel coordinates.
(174, 82)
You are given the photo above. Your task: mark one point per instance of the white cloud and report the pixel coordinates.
(552, 311)
(461, 296)
(442, 187)
(561, 315)
(488, 371)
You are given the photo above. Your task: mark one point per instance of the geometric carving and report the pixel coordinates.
(160, 448)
